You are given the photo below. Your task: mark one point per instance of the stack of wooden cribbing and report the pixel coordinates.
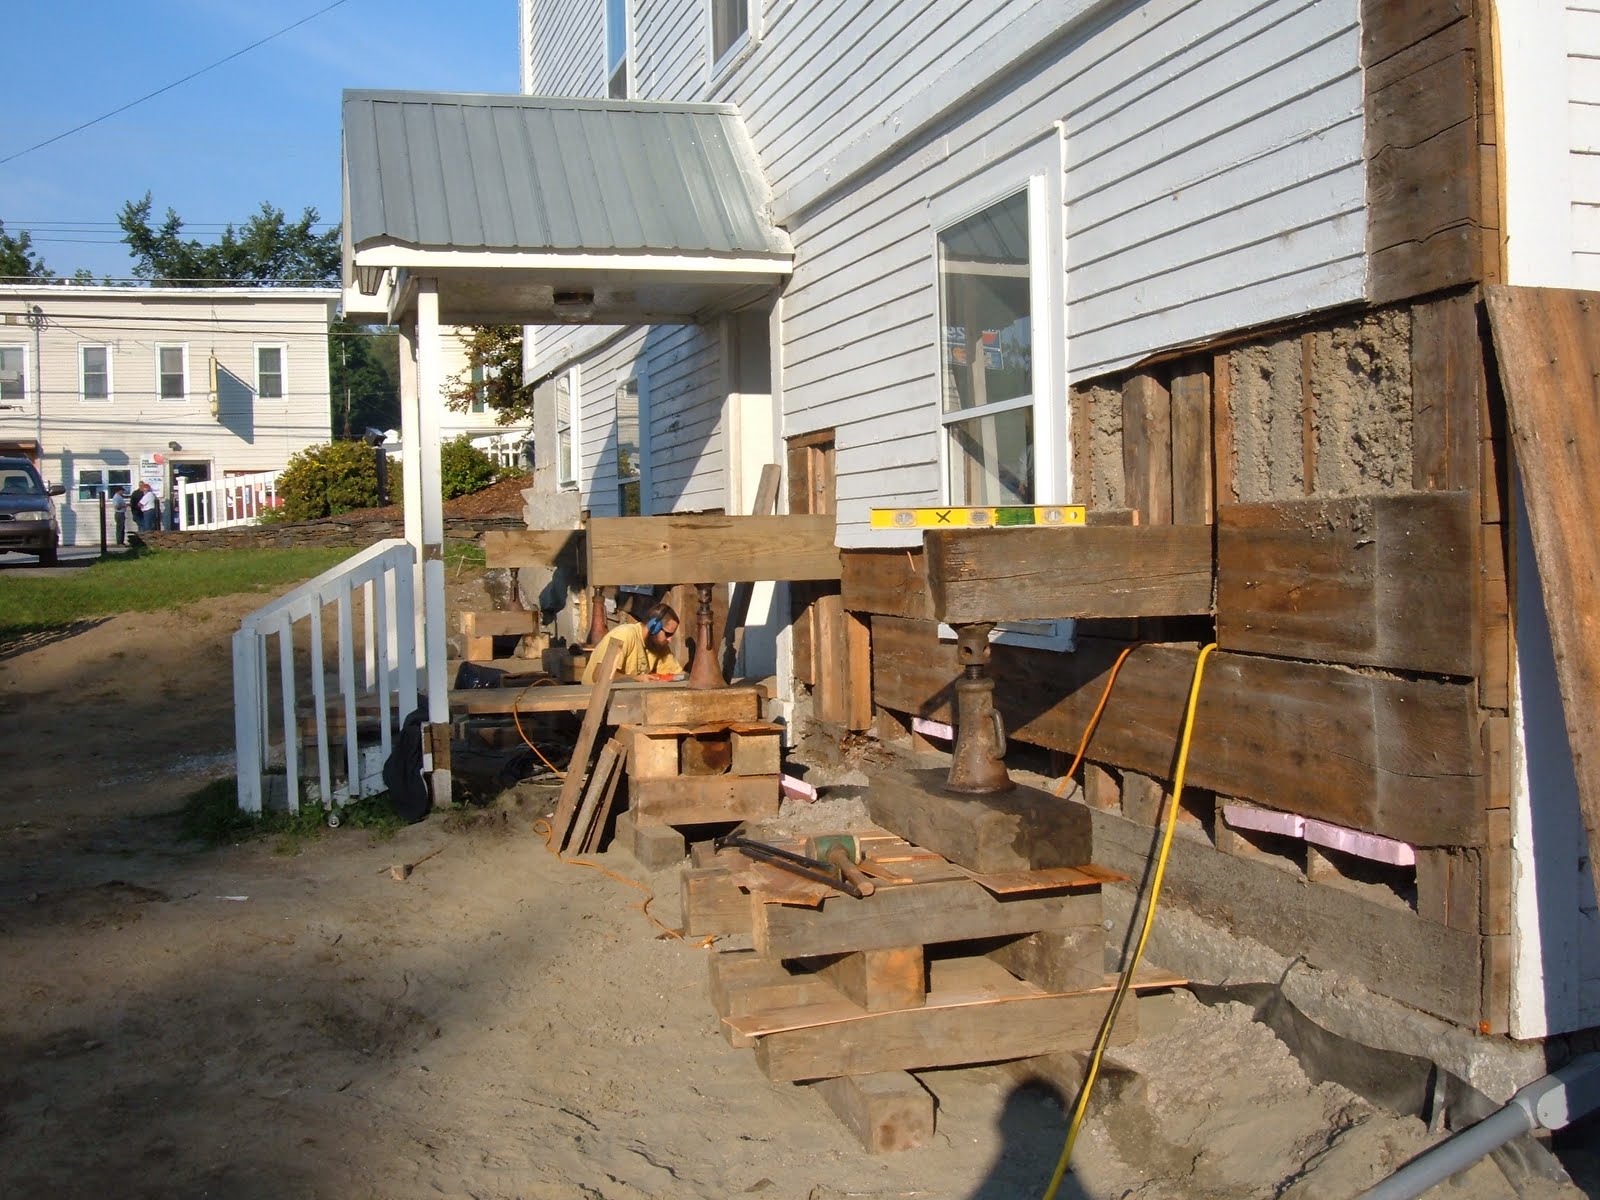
(940, 966)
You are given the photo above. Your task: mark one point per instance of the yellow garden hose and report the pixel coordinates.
(1082, 1106)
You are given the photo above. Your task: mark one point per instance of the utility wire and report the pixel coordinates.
(175, 83)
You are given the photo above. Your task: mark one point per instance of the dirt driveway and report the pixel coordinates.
(179, 1021)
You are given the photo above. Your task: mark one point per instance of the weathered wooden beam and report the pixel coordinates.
(1548, 346)
(706, 549)
(886, 581)
(1040, 574)
(548, 548)
(1395, 757)
(887, 1111)
(654, 704)
(1382, 581)
(701, 799)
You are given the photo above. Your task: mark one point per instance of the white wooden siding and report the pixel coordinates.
(670, 49)
(688, 392)
(567, 41)
(1583, 110)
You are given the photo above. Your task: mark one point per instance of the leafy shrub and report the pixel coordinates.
(463, 468)
(326, 480)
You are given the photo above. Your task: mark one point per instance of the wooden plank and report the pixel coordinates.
(700, 799)
(1449, 887)
(743, 983)
(1019, 830)
(1147, 448)
(887, 1111)
(879, 980)
(1388, 949)
(1005, 1024)
(652, 750)
(1039, 574)
(499, 623)
(549, 698)
(1191, 448)
(578, 766)
(1548, 345)
(1382, 581)
(916, 914)
(1058, 960)
(711, 549)
(757, 749)
(1390, 26)
(1395, 757)
(602, 780)
(832, 661)
(858, 672)
(712, 902)
(1224, 449)
(739, 599)
(1043, 879)
(674, 704)
(1447, 394)
(547, 548)
(886, 581)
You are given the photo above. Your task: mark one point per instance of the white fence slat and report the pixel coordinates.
(226, 502)
(405, 598)
(291, 740)
(382, 618)
(347, 693)
(368, 620)
(247, 696)
(319, 705)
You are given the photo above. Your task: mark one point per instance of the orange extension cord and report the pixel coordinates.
(1094, 721)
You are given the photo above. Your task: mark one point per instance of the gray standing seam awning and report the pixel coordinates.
(656, 209)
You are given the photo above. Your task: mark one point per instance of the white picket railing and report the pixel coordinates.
(226, 502)
(382, 578)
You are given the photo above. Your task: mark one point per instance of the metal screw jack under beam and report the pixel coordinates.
(976, 761)
(705, 673)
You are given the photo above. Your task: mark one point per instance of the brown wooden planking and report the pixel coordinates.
(578, 766)
(1449, 887)
(1081, 403)
(1035, 574)
(709, 549)
(1191, 448)
(711, 902)
(1057, 960)
(499, 623)
(905, 914)
(858, 672)
(830, 692)
(1383, 581)
(608, 803)
(1390, 756)
(1548, 346)
(1224, 453)
(1147, 447)
(893, 582)
(879, 980)
(1390, 950)
(602, 784)
(666, 704)
(701, 799)
(533, 547)
(1390, 26)
(1447, 394)
(887, 1111)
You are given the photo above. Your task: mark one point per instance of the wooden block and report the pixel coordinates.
(830, 697)
(1101, 789)
(701, 799)
(1497, 865)
(1395, 757)
(713, 902)
(548, 548)
(1495, 1009)
(1087, 571)
(705, 751)
(1384, 581)
(887, 1111)
(700, 548)
(500, 623)
(669, 704)
(1191, 448)
(879, 980)
(983, 1021)
(1494, 606)
(1146, 451)
(1449, 887)
(1142, 798)
(885, 581)
(654, 847)
(744, 983)
(858, 672)
(1058, 960)
(916, 914)
(477, 649)
(757, 749)
(1497, 761)
(1224, 456)
(1017, 830)
(652, 751)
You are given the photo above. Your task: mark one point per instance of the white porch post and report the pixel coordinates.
(411, 448)
(429, 491)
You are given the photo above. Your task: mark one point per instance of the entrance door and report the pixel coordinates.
(190, 472)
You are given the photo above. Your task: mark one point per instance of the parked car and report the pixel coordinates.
(28, 522)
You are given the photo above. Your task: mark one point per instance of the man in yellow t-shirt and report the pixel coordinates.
(646, 649)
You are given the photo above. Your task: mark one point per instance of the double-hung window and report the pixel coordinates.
(94, 482)
(617, 49)
(172, 372)
(270, 372)
(1001, 341)
(730, 31)
(480, 391)
(94, 373)
(567, 429)
(13, 374)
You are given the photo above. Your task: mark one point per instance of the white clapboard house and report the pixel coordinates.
(931, 253)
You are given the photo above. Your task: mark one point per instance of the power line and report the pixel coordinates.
(175, 83)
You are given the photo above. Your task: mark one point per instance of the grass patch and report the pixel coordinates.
(149, 580)
(464, 554)
(211, 815)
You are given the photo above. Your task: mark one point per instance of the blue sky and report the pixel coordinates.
(262, 127)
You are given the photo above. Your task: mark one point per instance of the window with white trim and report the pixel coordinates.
(172, 372)
(567, 429)
(617, 47)
(94, 482)
(13, 374)
(629, 478)
(480, 392)
(94, 374)
(270, 369)
(731, 25)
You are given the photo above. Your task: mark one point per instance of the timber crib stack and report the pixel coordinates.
(938, 967)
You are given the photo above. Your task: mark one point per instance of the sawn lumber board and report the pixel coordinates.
(711, 549)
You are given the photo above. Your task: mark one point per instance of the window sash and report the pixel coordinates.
(617, 49)
(730, 27)
(13, 372)
(94, 373)
(269, 372)
(172, 372)
(566, 466)
(478, 391)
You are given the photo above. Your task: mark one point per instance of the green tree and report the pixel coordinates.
(364, 363)
(494, 372)
(266, 249)
(17, 259)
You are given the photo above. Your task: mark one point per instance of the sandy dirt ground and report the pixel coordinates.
(183, 1021)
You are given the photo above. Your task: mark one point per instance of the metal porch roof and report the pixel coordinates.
(457, 172)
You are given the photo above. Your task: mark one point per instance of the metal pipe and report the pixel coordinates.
(1551, 1102)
